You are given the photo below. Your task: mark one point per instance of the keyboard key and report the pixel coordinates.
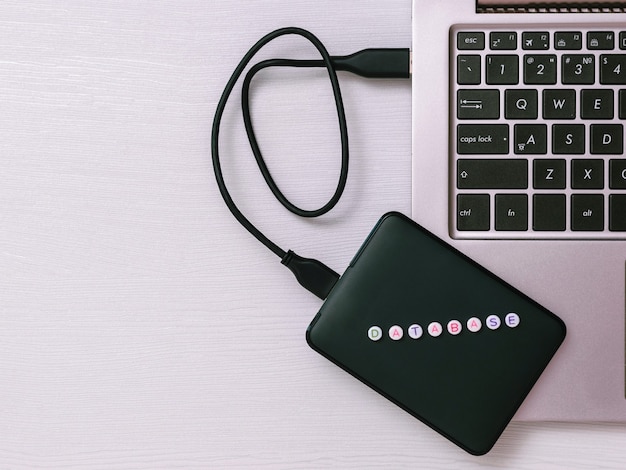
(468, 69)
(549, 173)
(478, 104)
(607, 139)
(568, 139)
(587, 174)
(520, 104)
(496, 173)
(502, 70)
(503, 41)
(482, 139)
(588, 212)
(530, 139)
(613, 69)
(617, 212)
(577, 69)
(559, 104)
(600, 40)
(540, 69)
(470, 41)
(596, 104)
(472, 212)
(549, 212)
(511, 212)
(538, 41)
(617, 174)
(570, 40)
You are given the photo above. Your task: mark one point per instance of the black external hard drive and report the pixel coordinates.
(435, 333)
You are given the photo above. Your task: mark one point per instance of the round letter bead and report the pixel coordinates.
(474, 324)
(454, 327)
(435, 329)
(415, 331)
(493, 322)
(375, 333)
(395, 332)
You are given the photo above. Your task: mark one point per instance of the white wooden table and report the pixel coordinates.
(140, 325)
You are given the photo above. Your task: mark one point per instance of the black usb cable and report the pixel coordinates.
(370, 63)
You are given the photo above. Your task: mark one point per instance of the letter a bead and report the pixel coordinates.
(435, 329)
(395, 333)
(474, 324)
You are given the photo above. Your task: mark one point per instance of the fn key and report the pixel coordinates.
(472, 212)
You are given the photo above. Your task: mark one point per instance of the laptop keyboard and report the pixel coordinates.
(537, 132)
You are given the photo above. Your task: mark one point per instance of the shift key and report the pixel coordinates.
(482, 139)
(497, 173)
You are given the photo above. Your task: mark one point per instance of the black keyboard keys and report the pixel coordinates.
(607, 139)
(613, 69)
(482, 139)
(577, 69)
(549, 212)
(587, 212)
(478, 104)
(549, 173)
(540, 69)
(502, 70)
(587, 174)
(538, 132)
(496, 173)
(472, 212)
(468, 69)
(511, 212)
(559, 104)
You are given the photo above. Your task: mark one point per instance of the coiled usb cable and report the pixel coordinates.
(370, 63)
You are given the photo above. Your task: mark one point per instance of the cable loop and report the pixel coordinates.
(325, 62)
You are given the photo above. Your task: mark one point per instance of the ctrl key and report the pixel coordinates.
(472, 212)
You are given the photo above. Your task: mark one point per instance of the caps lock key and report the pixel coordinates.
(482, 139)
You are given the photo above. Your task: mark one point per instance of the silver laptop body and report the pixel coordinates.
(494, 173)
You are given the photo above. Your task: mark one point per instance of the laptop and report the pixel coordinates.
(518, 161)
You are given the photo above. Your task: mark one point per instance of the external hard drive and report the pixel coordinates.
(435, 333)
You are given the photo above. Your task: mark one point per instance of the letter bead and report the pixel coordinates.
(415, 331)
(454, 327)
(493, 322)
(375, 333)
(395, 332)
(474, 324)
(511, 320)
(435, 329)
